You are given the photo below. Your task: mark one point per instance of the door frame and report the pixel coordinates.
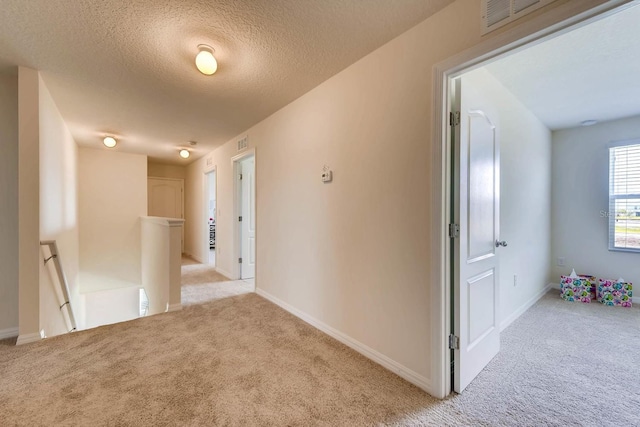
(205, 186)
(237, 209)
(571, 15)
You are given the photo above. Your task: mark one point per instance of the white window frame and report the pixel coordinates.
(613, 197)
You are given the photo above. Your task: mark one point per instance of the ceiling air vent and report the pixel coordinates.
(496, 13)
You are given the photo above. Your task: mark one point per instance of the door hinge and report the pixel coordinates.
(239, 219)
(454, 231)
(240, 177)
(454, 342)
(239, 260)
(454, 118)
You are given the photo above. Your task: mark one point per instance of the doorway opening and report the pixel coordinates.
(245, 207)
(210, 195)
(490, 313)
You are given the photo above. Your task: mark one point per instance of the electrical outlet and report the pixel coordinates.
(560, 261)
(515, 280)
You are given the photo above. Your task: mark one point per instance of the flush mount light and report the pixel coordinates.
(184, 153)
(205, 61)
(109, 141)
(590, 122)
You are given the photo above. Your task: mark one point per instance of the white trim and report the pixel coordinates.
(28, 338)
(174, 307)
(167, 222)
(395, 367)
(623, 143)
(224, 272)
(524, 307)
(555, 286)
(237, 272)
(9, 333)
(195, 257)
(525, 34)
(207, 246)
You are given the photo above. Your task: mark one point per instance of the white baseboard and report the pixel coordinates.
(555, 286)
(224, 273)
(197, 258)
(174, 307)
(28, 338)
(526, 306)
(395, 367)
(8, 333)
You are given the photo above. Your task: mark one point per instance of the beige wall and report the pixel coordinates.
(9, 205)
(112, 198)
(525, 195)
(58, 214)
(160, 170)
(581, 195)
(353, 255)
(28, 204)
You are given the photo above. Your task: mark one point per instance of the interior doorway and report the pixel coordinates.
(466, 334)
(245, 206)
(210, 197)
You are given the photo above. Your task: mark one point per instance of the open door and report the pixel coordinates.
(476, 260)
(248, 224)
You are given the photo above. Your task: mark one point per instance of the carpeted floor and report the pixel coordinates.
(194, 273)
(201, 283)
(244, 361)
(562, 364)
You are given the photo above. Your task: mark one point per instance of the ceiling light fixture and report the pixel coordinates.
(184, 153)
(590, 122)
(109, 141)
(205, 61)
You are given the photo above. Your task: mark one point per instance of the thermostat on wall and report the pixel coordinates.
(327, 175)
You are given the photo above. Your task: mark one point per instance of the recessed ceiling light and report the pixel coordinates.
(205, 61)
(184, 153)
(109, 141)
(589, 122)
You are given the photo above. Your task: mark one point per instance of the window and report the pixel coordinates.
(624, 196)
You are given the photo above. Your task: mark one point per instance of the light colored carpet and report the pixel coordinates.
(234, 361)
(562, 364)
(201, 283)
(244, 361)
(194, 273)
(200, 294)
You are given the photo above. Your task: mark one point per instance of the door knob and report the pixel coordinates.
(499, 243)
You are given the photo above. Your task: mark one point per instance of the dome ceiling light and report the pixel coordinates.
(109, 141)
(184, 153)
(205, 61)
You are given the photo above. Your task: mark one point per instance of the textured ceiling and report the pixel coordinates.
(589, 73)
(126, 67)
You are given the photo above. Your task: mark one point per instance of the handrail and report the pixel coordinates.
(53, 248)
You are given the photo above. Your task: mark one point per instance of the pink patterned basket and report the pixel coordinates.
(615, 293)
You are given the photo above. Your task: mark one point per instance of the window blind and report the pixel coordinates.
(624, 196)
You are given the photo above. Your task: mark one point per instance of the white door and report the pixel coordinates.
(165, 199)
(248, 224)
(476, 260)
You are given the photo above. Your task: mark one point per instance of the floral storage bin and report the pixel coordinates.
(591, 283)
(576, 288)
(615, 292)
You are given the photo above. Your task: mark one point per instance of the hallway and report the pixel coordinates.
(201, 283)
